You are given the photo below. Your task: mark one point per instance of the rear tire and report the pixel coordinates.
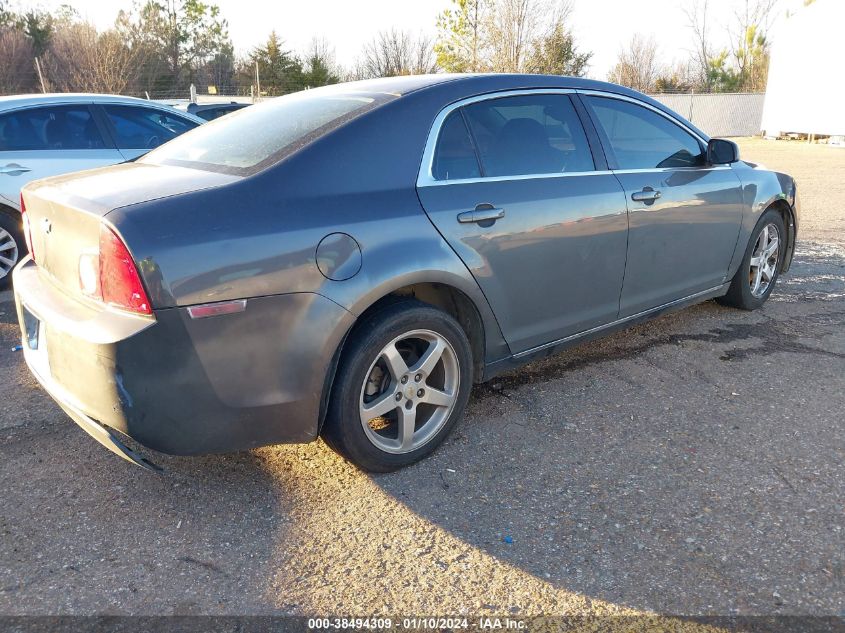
(12, 245)
(755, 279)
(401, 387)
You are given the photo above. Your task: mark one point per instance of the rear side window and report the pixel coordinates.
(530, 134)
(51, 128)
(263, 134)
(642, 139)
(454, 157)
(145, 128)
(211, 113)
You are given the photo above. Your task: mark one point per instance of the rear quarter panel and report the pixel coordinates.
(259, 236)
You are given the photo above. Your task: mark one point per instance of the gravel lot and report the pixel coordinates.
(692, 465)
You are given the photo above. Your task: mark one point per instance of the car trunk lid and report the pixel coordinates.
(65, 212)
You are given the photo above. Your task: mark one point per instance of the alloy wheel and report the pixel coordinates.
(8, 253)
(764, 260)
(409, 391)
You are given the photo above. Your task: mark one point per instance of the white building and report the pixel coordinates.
(805, 92)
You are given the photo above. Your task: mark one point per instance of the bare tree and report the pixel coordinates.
(395, 52)
(320, 65)
(320, 48)
(745, 67)
(637, 65)
(749, 43)
(17, 73)
(556, 52)
(697, 15)
(515, 28)
(676, 77)
(81, 59)
(461, 36)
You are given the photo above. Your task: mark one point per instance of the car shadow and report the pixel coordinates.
(675, 467)
(681, 466)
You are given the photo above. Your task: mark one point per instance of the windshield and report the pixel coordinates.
(254, 138)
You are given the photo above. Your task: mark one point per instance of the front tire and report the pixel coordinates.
(12, 245)
(755, 279)
(401, 387)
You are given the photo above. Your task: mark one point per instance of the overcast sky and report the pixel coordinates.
(601, 26)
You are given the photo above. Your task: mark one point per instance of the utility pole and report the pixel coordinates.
(40, 76)
(257, 84)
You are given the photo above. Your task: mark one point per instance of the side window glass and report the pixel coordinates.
(57, 128)
(454, 157)
(144, 128)
(531, 134)
(643, 139)
(209, 115)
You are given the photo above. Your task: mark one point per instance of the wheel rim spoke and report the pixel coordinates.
(429, 360)
(758, 279)
(437, 398)
(407, 425)
(772, 248)
(382, 405)
(395, 363)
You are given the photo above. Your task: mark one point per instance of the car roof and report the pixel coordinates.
(410, 83)
(10, 101)
(459, 86)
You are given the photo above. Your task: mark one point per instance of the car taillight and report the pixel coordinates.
(27, 229)
(119, 282)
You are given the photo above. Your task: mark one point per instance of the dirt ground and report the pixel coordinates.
(691, 465)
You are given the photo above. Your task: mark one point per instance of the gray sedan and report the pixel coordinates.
(348, 261)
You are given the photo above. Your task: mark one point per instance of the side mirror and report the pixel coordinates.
(721, 151)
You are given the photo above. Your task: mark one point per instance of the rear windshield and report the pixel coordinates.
(254, 138)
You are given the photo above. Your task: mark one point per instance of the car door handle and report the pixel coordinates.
(14, 168)
(482, 213)
(646, 195)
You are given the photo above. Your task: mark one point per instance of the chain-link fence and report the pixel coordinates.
(719, 114)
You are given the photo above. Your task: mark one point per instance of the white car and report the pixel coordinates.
(46, 135)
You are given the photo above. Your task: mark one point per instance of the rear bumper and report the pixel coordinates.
(184, 386)
(103, 434)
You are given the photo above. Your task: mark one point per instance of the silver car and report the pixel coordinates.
(348, 261)
(46, 135)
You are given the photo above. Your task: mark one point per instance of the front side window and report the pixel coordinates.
(529, 134)
(643, 139)
(50, 128)
(144, 128)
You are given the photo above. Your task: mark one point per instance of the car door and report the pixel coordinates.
(139, 129)
(41, 141)
(513, 185)
(684, 214)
